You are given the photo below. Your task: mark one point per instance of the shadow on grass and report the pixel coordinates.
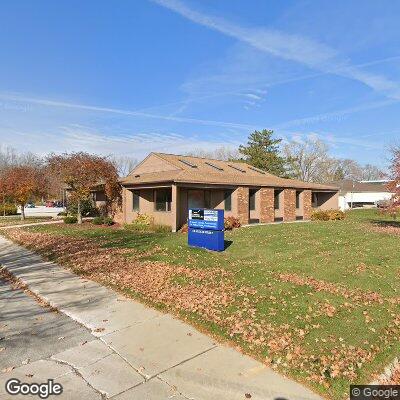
(227, 243)
(386, 223)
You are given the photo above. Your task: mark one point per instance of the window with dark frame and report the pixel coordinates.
(277, 199)
(136, 201)
(252, 199)
(162, 199)
(298, 199)
(228, 200)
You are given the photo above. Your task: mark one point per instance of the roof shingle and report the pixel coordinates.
(191, 169)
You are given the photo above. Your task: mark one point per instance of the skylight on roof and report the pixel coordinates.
(237, 168)
(188, 163)
(214, 166)
(257, 170)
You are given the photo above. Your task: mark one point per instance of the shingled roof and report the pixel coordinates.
(188, 169)
(361, 187)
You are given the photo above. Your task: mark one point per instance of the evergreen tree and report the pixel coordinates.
(262, 151)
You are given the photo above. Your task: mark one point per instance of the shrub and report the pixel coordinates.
(319, 216)
(103, 221)
(8, 209)
(88, 209)
(71, 219)
(327, 215)
(143, 219)
(231, 222)
(97, 221)
(335, 215)
(62, 214)
(108, 221)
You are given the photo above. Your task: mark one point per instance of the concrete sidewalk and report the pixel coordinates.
(138, 352)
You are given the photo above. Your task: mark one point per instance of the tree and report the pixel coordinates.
(82, 172)
(22, 183)
(123, 164)
(262, 151)
(394, 185)
(220, 153)
(308, 161)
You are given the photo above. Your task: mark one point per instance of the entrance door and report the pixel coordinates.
(196, 199)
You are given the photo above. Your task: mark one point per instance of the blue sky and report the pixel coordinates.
(130, 77)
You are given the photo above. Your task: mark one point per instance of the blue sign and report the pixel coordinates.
(206, 219)
(206, 229)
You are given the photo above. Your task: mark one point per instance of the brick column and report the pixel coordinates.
(242, 204)
(307, 209)
(267, 212)
(289, 205)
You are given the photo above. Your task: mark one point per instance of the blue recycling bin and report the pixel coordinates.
(206, 229)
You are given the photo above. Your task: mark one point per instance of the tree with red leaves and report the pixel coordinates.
(81, 172)
(23, 183)
(394, 185)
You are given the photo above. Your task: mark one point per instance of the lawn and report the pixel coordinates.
(16, 220)
(318, 301)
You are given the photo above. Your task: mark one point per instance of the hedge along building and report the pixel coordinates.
(165, 186)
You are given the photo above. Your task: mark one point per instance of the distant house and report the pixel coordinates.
(165, 186)
(355, 194)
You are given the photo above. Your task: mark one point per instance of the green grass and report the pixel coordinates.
(349, 254)
(16, 220)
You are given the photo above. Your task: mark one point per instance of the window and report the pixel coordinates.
(236, 168)
(252, 199)
(214, 166)
(298, 200)
(163, 199)
(276, 199)
(228, 200)
(135, 200)
(188, 163)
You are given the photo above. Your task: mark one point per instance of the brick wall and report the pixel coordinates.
(267, 212)
(307, 209)
(242, 198)
(289, 205)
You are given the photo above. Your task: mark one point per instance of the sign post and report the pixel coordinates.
(206, 229)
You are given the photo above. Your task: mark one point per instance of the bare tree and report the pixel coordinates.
(221, 153)
(310, 161)
(124, 164)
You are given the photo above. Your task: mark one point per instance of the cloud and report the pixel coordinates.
(77, 106)
(76, 137)
(291, 47)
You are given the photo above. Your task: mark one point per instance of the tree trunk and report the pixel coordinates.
(79, 213)
(22, 212)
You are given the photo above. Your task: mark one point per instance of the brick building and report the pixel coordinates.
(165, 186)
